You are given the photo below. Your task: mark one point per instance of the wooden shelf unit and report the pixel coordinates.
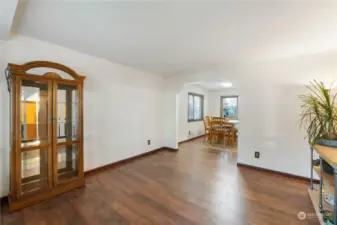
(326, 177)
(314, 196)
(329, 155)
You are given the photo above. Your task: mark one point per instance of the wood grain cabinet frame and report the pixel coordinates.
(46, 151)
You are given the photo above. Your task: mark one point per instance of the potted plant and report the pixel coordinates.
(329, 222)
(328, 218)
(319, 115)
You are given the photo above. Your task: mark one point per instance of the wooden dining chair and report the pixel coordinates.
(230, 133)
(216, 130)
(217, 119)
(207, 127)
(222, 129)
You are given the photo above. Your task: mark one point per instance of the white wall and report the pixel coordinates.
(123, 107)
(170, 117)
(269, 111)
(195, 128)
(214, 97)
(4, 124)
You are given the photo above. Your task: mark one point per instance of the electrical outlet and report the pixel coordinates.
(148, 142)
(257, 155)
(189, 132)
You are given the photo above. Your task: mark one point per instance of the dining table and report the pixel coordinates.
(235, 122)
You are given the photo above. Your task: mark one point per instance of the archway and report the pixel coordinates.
(173, 109)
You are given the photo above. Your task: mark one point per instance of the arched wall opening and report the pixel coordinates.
(173, 133)
(198, 102)
(269, 108)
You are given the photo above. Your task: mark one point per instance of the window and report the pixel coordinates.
(195, 107)
(229, 107)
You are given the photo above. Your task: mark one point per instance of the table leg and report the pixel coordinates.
(321, 185)
(233, 134)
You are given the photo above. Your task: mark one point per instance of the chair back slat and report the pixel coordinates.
(206, 122)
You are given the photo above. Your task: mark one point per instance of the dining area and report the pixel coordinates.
(221, 130)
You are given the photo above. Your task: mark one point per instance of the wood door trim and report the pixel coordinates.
(51, 134)
(31, 178)
(79, 141)
(35, 77)
(18, 137)
(35, 147)
(80, 130)
(68, 143)
(22, 69)
(70, 179)
(28, 140)
(13, 154)
(40, 147)
(44, 194)
(68, 82)
(54, 134)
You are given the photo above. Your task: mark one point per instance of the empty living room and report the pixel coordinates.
(168, 112)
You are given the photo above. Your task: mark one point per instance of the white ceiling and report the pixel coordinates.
(210, 85)
(181, 37)
(7, 12)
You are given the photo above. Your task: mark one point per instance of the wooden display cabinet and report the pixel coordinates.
(46, 132)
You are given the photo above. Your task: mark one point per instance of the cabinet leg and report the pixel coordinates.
(321, 185)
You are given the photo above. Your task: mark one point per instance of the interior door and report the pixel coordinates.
(67, 146)
(34, 135)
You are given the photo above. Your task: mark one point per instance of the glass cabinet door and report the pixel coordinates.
(66, 128)
(35, 138)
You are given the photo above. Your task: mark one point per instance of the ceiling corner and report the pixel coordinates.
(7, 13)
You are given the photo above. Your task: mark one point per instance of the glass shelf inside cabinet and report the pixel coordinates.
(34, 164)
(67, 162)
